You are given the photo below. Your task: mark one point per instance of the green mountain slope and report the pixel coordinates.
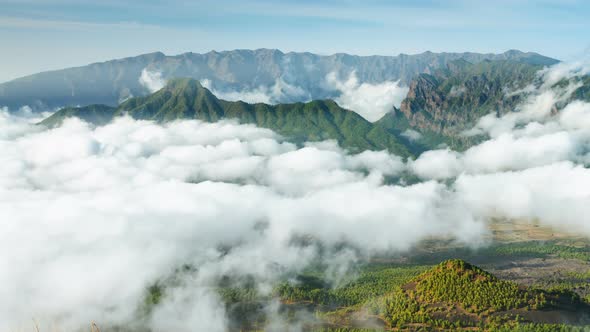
(451, 296)
(299, 122)
(95, 114)
(456, 294)
(397, 124)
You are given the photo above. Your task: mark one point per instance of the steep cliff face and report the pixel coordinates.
(423, 104)
(454, 98)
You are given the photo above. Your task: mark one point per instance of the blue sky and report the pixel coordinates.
(37, 35)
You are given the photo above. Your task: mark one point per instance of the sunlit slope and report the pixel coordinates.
(456, 294)
(299, 122)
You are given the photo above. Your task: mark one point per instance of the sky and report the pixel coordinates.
(39, 35)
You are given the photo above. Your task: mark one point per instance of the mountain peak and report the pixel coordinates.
(459, 268)
(514, 51)
(186, 98)
(183, 83)
(188, 87)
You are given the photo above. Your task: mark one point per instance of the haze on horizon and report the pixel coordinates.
(45, 35)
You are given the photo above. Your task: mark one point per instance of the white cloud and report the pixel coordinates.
(556, 195)
(15, 124)
(532, 168)
(92, 216)
(152, 80)
(371, 101)
(564, 71)
(279, 92)
(412, 135)
(437, 164)
(562, 137)
(576, 115)
(259, 95)
(377, 161)
(508, 152)
(190, 308)
(538, 133)
(540, 103)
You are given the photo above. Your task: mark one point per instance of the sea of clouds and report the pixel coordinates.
(92, 216)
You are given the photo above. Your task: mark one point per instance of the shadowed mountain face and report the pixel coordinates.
(454, 98)
(290, 77)
(443, 104)
(299, 122)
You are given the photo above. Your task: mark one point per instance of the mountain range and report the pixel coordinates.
(299, 122)
(447, 93)
(289, 77)
(438, 107)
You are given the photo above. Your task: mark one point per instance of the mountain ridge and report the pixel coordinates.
(113, 81)
(186, 98)
(439, 105)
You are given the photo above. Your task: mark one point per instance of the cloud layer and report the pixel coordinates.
(92, 216)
